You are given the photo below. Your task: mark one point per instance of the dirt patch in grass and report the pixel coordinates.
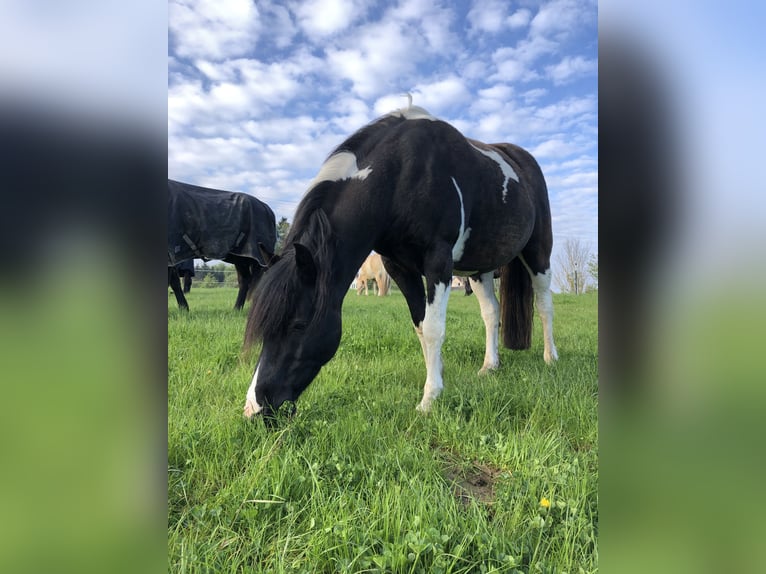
(469, 480)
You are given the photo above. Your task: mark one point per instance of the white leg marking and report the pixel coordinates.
(433, 329)
(463, 233)
(419, 333)
(541, 283)
(251, 405)
(490, 312)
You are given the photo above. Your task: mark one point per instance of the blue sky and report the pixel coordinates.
(259, 93)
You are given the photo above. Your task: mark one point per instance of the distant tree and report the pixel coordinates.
(573, 267)
(593, 269)
(283, 228)
(211, 276)
(219, 272)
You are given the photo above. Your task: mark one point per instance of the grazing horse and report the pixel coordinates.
(184, 269)
(373, 268)
(432, 203)
(213, 224)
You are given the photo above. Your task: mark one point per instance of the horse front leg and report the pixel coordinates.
(484, 287)
(244, 277)
(432, 329)
(432, 332)
(175, 283)
(410, 283)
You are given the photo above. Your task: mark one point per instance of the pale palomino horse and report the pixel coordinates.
(373, 269)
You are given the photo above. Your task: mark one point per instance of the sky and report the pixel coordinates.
(259, 93)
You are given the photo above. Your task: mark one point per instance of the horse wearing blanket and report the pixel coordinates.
(433, 203)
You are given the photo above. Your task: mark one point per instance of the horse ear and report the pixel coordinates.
(268, 257)
(307, 269)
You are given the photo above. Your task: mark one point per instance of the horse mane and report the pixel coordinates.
(280, 288)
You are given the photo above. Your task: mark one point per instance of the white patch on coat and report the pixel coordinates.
(463, 233)
(506, 168)
(251, 405)
(433, 330)
(484, 289)
(339, 166)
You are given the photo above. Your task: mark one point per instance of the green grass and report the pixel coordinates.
(359, 481)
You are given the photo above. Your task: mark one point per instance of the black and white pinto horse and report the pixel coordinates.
(214, 224)
(433, 203)
(184, 269)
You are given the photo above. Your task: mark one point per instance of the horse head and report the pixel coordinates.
(299, 328)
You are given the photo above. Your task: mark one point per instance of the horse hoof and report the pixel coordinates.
(488, 369)
(251, 409)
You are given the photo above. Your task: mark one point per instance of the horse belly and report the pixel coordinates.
(487, 249)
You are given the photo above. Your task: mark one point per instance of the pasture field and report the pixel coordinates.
(501, 475)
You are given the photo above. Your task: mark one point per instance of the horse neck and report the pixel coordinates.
(346, 262)
(352, 236)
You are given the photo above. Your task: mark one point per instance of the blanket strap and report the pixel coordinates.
(193, 246)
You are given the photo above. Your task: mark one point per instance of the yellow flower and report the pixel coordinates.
(545, 503)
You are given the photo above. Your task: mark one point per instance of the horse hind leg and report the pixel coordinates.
(484, 288)
(175, 284)
(382, 281)
(541, 284)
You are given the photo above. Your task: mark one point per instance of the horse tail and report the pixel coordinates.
(516, 305)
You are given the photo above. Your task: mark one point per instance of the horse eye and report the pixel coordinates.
(299, 326)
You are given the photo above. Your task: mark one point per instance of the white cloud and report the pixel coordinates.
(519, 19)
(431, 21)
(497, 92)
(278, 24)
(571, 68)
(488, 15)
(414, 10)
(534, 95)
(554, 148)
(383, 54)
(518, 63)
(492, 99)
(441, 95)
(511, 70)
(562, 16)
(213, 29)
(283, 129)
(322, 18)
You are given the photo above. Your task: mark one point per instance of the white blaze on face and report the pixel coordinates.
(506, 168)
(251, 405)
(340, 166)
(463, 233)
